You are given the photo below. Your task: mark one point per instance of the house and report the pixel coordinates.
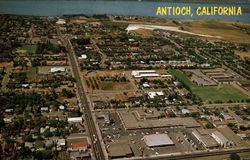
(9, 110)
(131, 95)
(154, 94)
(61, 107)
(44, 109)
(79, 146)
(7, 120)
(83, 56)
(60, 143)
(185, 111)
(145, 85)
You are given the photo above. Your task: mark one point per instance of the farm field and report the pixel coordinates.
(221, 93)
(107, 81)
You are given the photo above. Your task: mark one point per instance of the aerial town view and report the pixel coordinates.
(105, 87)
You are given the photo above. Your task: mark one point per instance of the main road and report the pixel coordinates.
(85, 106)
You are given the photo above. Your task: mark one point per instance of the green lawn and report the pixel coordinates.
(222, 93)
(30, 49)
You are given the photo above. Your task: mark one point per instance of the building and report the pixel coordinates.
(219, 75)
(154, 94)
(185, 111)
(158, 140)
(83, 56)
(119, 150)
(78, 155)
(203, 137)
(131, 95)
(131, 122)
(144, 74)
(221, 139)
(147, 114)
(78, 146)
(229, 134)
(61, 142)
(226, 116)
(57, 69)
(61, 21)
(75, 119)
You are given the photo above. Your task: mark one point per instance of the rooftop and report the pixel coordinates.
(129, 121)
(155, 140)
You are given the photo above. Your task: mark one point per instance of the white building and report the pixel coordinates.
(221, 139)
(145, 85)
(83, 56)
(154, 94)
(75, 119)
(61, 142)
(156, 140)
(57, 69)
(144, 73)
(61, 21)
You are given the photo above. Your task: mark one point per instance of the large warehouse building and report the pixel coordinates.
(221, 139)
(158, 140)
(204, 137)
(144, 73)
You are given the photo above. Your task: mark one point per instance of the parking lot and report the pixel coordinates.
(114, 132)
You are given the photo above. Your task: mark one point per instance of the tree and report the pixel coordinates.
(234, 156)
(45, 154)
(209, 125)
(28, 138)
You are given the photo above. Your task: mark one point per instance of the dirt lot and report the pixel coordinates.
(5, 64)
(243, 54)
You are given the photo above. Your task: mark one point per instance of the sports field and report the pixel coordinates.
(222, 93)
(30, 49)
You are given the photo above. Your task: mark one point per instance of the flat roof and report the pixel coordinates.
(155, 140)
(219, 137)
(72, 119)
(204, 137)
(129, 121)
(119, 150)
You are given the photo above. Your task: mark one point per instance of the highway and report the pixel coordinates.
(85, 106)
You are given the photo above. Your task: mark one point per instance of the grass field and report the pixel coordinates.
(30, 49)
(222, 93)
